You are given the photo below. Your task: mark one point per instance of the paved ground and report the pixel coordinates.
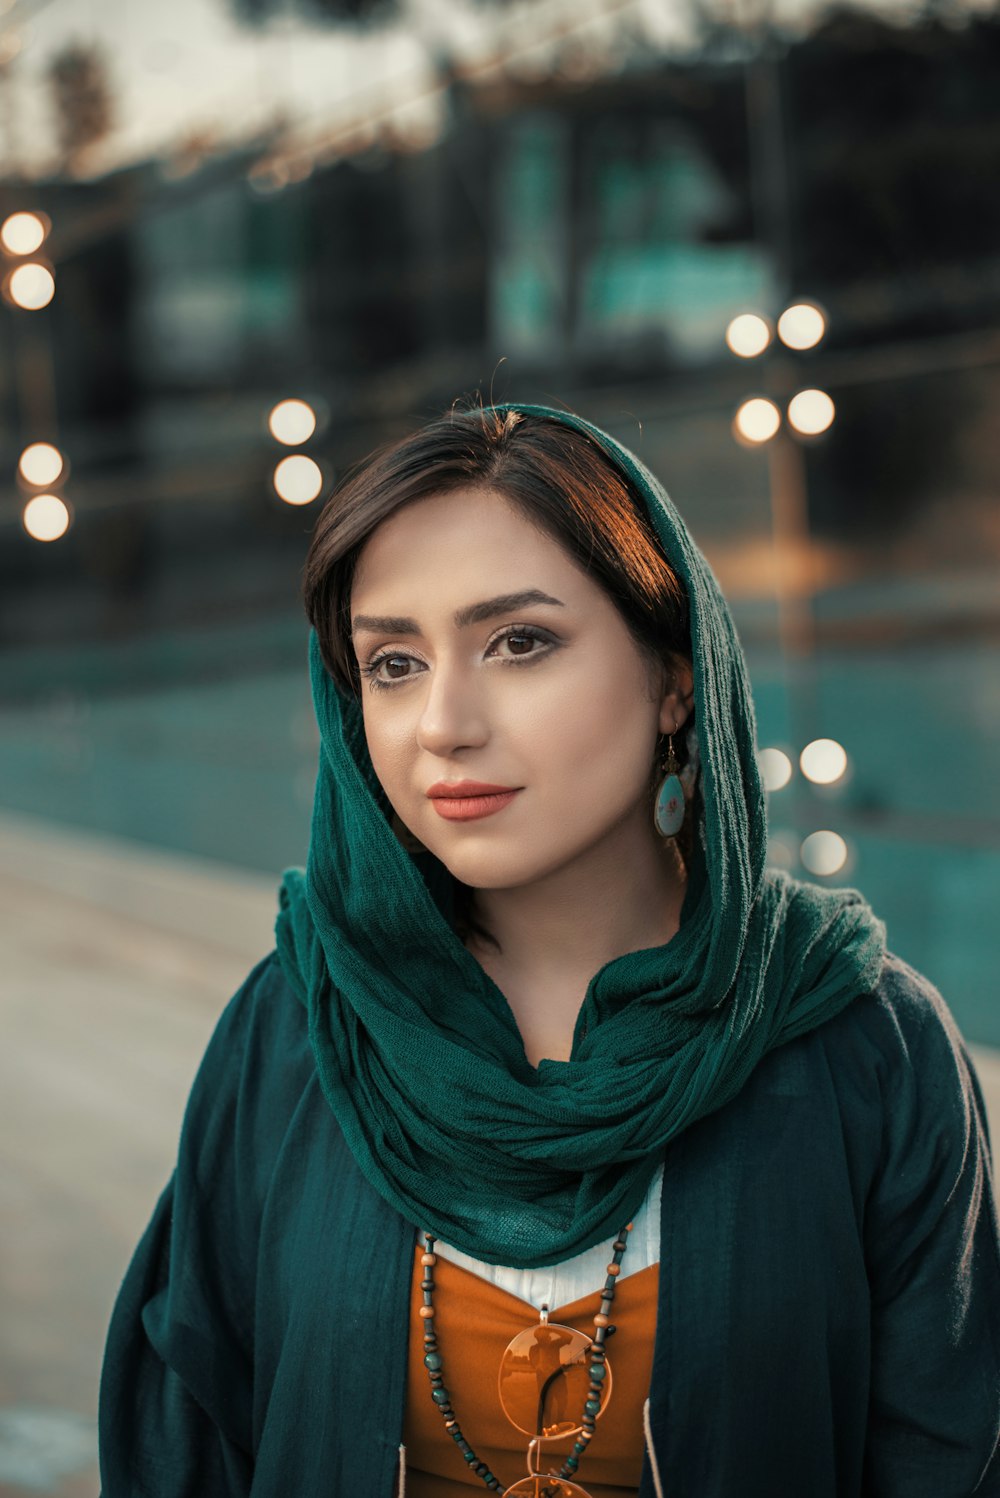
(110, 990)
(104, 1020)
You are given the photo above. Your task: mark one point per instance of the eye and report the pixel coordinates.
(390, 658)
(392, 661)
(523, 643)
(520, 643)
(525, 635)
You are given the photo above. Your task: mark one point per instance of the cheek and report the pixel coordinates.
(596, 728)
(390, 748)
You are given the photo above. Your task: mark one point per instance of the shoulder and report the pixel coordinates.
(903, 1073)
(902, 1027)
(257, 1064)
(914, 1008)
(891, 1065)
(264, 1004)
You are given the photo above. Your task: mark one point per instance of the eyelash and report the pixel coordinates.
(528, 630)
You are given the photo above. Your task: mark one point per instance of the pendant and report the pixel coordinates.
(539, 1485)
(544, 1384)
(544, 1380)
(669, 814)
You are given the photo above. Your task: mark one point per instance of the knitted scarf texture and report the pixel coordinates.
(417, 1050)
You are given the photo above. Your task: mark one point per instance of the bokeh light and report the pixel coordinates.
(31, 286)
(46, 517)
(298, 479)
(801, 326)
(757, 420)
(823, 852)
(41, 463)
(775, 768)
(811, 412)
(22, 233)
(748, 335)
(823, 761)
(292, 422)
(782, 848)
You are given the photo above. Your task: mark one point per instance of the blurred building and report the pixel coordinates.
(574, 214)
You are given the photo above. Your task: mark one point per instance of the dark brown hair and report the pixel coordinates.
(560, 479)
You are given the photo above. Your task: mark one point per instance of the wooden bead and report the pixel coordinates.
(599, 1320)
(614, 1269)
(428, 1258)
(426, 1312)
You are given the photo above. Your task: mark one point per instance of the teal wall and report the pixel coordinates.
(212, 750)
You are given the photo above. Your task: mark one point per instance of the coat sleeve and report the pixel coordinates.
(175, 1409)
(933, 1256)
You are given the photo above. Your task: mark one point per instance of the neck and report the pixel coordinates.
(622, 895)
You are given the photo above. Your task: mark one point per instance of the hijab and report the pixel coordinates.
(417, 1050)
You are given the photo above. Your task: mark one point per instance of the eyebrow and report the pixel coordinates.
(474, 613)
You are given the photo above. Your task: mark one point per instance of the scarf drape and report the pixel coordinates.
(417, 1050)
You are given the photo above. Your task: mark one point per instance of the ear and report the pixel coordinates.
(677, 699)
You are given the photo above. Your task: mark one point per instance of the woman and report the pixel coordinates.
(559, 1146)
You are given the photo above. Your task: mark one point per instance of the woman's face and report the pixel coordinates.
(548, 696)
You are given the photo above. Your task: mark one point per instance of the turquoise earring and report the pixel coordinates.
(668, 814)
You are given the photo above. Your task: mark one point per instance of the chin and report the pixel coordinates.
(499, 869)
(480, 872)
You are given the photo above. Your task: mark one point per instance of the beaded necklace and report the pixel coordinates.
(530, 1400)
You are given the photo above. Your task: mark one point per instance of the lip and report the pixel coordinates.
(465, 788)
(469, 808)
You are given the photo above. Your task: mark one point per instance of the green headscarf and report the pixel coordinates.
(417, 1050)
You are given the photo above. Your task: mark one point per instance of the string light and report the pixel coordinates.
(757, 420)
(46, 517)
(748, 335)
(41, 463)
(823, 761)
(811, 412)
(298, 479)
(823, 852)
(292, 422)
(22, 233)
(31, 286)
(801, 326)
(775, 768)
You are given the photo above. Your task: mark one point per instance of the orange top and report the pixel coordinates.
(475, 1320)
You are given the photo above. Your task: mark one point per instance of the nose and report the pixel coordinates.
(452, 715)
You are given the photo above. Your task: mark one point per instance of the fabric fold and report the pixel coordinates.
(417, 1050)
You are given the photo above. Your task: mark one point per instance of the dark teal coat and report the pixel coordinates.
(828, 1322)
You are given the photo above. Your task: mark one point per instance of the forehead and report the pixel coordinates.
(449, 543)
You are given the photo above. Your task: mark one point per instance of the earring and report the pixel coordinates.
(689, 774)
(668, 813)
